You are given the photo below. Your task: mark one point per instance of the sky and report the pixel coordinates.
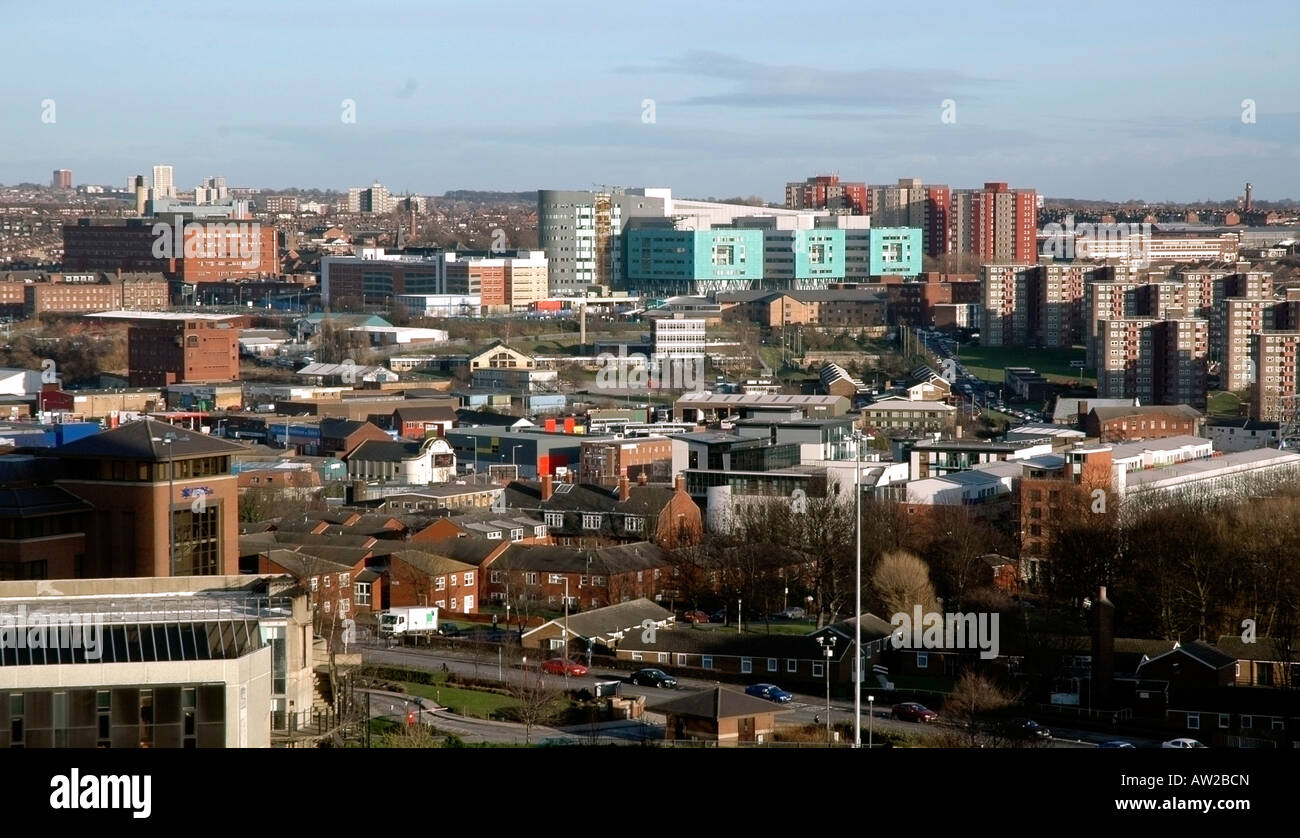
(1095, 99)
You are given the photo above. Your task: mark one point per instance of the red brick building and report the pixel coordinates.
(1123, 424)
(165, 348)
(205, 251)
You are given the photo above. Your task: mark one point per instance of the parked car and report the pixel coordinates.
(449, 630)
(795, 613)
(769, 691)
(556, 666)
(695, 617)
(911, 711)
(653, 678)
(1116, 743)
(1182, 743)
(1025, 729)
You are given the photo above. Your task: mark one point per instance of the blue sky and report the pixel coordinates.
(1090, 99)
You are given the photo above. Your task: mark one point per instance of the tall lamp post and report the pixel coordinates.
(871, 719)
(857, 592)
(168, 439)
(828, 647)
(564, 661)
(513, 462)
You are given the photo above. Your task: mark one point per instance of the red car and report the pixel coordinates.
(555, 666)
(910, 711)
(695, 617)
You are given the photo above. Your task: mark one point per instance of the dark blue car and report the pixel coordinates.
(771, 692)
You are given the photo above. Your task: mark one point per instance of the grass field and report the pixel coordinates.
(1223, 403)
(1053, 364)
(463, 702)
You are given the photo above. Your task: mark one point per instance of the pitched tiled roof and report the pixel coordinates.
(718, 703)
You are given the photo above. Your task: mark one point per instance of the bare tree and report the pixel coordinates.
(972, 699)
(535, 703)
(902, 582)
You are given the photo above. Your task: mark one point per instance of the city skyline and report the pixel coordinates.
(699, 101)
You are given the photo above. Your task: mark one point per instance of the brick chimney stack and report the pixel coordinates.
(624, 489)
(642, 479)
(679, 483)
(1103, 649)
(548, 486)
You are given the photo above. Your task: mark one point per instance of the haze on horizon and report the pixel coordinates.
(1108, 102)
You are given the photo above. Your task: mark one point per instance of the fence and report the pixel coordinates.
(1109, 716)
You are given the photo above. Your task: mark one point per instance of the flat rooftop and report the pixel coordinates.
(160, 315)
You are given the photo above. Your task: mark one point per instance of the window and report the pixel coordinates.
(455, 604)
(555, 519)
(817, 669)
(442, 603)
(706, 662)
(345, 605)
(469, 578)
(1193, 721)
(634, 523)
(771, 665)
(922, 660)
(1247, 722)
(584, 581)
(598, 581)
(663, 657)
(344, 579)
(1278, 724)
(636, 656)
(530, 578)
(315, 582)
(363, 593)
(791, 665)
(555, 579)
(746, 665)
(440, 584)
(590, 522)
(1225, 720)
(327, 580)
(452, 577)
(681, 659)
(498, 576)
(327, 606)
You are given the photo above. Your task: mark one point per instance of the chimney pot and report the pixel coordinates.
(624, 489)
(679, 483)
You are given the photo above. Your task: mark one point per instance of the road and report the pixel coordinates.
(803, 709)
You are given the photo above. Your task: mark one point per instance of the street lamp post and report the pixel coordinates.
(857, 593)
(564, 661)
(828, 647)
(871, 719)
(513, 461)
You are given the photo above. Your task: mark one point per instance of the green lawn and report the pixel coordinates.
(777, 627)
(463, 702)
(1223, 404)
(1054, 364)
